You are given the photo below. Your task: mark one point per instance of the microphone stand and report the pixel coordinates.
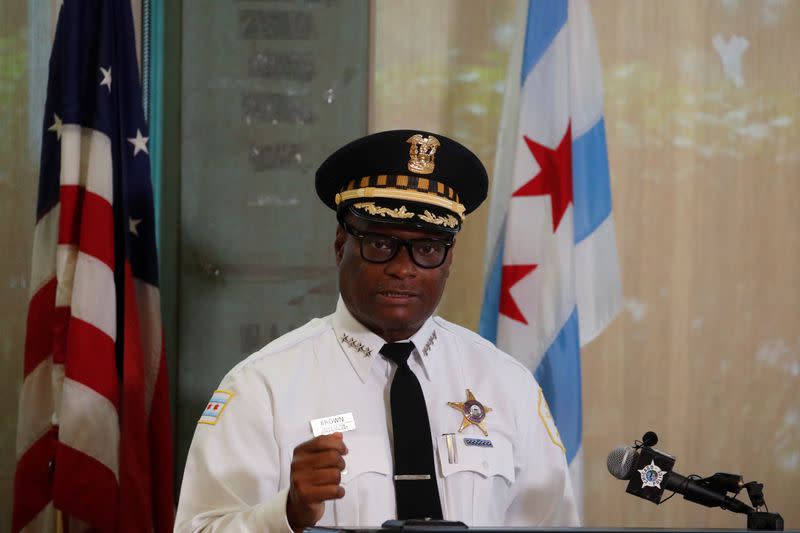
(761, 520)
(757, 520)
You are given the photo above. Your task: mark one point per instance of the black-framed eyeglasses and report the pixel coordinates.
(382, 248)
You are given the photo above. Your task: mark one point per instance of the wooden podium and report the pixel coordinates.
(417, 526)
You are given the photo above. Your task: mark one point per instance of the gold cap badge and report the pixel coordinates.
(474, 413)
(421, 153)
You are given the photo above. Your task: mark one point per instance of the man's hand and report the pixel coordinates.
(315, 475)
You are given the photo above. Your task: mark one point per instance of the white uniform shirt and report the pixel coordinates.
(237, 471)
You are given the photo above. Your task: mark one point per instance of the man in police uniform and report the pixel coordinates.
(381, 410)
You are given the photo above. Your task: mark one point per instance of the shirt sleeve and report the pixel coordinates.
(232, 477)
(543, 494)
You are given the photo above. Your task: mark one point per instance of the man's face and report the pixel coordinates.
(392, 299)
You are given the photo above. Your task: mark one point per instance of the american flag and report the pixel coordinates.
(94, 443)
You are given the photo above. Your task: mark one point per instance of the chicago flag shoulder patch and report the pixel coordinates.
(219, 400)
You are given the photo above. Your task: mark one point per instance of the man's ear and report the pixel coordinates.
(338, 243)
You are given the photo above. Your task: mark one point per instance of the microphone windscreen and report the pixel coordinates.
(650, 439)
(620, 462)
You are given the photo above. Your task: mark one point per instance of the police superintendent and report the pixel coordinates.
(433, 421)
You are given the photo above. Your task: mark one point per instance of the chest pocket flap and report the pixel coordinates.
(488, 461)
(365, 453)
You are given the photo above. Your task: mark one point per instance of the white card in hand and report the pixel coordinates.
(332, 424)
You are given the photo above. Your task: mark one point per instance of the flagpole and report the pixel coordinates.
(59, 525)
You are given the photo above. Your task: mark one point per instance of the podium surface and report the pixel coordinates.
(454, 529)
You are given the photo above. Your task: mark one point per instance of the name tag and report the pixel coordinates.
(332, 424)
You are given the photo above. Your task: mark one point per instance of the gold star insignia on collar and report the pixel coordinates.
(474, 413)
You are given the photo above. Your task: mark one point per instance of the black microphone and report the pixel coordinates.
(650, 473)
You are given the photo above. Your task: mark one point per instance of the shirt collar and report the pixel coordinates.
(362, 346)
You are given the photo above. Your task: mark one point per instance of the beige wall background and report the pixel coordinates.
(23, 76)
(705, 162)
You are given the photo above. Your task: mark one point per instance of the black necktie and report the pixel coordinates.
(415, 486)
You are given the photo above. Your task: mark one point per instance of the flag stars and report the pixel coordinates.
(554, 178)
(57, 126)
(139, 143)
(511, 275)
(133, 225)
(106, 72)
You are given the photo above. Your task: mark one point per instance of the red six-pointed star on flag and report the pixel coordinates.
(511, 275)
(555, 176)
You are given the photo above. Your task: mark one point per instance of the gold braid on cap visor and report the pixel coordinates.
(402, 194)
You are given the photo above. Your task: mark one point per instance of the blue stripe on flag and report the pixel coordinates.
(490, 311)
(559, 375)
(590, 180)
(545, 20)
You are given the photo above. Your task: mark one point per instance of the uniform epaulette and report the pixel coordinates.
(463, 332)
(305, 332)
(471, 336)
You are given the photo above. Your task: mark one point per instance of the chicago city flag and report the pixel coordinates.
(553, 279)
(94, 445)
